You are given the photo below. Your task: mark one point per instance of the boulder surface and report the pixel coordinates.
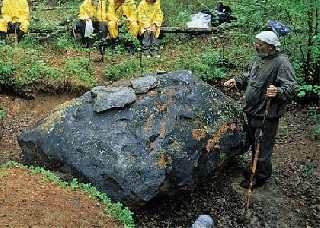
(140, 138)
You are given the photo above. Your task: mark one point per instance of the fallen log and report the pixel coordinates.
(187, 30)
(163, 29)
(54, 8)
(52, 34)
(62, 29)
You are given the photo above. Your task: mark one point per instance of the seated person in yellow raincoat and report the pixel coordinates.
(15, 18)
(92, 19)
(118, 12)
(150, 18)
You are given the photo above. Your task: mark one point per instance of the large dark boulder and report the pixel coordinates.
(140, 138)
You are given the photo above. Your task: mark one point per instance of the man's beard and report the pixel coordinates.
(263, 54)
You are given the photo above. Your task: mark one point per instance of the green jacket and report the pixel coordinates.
(275, 70)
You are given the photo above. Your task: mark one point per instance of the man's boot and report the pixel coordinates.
(20, 35)
(102, 46)
(3, 38)
(115, 45)
(85, 42)
(146, 53)
(129, 46)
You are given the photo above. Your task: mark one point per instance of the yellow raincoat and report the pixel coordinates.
(116, 10)
(90, 11)
(149, 14)
(15, 11)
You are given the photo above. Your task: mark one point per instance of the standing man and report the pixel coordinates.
(92, 19)
(15, 19)
(270, 76)
(150, 18)
(120, 11)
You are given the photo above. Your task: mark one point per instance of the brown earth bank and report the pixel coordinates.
(290, 198)
(29, 200)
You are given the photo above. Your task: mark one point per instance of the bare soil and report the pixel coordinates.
(27, 199)
(290, 198)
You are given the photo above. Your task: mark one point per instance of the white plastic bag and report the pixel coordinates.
(89, 28)
(199, 20)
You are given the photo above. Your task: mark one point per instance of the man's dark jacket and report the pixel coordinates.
(275, 70)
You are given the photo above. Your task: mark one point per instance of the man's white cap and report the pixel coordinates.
(269, 37)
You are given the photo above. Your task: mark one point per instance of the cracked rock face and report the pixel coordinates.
(149, 136)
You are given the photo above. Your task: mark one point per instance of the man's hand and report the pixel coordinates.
(272, 91)
(230, 83)
(119, 23)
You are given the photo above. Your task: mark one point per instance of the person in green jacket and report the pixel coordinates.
(15, 18)
(270, 76)
(92, 19)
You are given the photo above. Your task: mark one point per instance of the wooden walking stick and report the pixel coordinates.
(256, 155)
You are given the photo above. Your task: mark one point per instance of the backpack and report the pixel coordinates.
(222, 14)
(279, 28)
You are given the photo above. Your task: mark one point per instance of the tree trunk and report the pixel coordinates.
(317, 67)
(310, 36)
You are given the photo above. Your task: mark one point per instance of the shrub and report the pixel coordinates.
(6, 74)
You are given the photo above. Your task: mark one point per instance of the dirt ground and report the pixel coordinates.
(26, 199)
(291, 198)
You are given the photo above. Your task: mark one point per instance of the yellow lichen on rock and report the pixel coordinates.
(198, 134)
(214, 142)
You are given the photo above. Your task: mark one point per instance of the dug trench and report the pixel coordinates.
(290, 198)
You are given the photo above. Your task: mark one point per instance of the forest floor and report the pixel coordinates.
(290, 198)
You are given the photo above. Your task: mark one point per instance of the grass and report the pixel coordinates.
(60, 62)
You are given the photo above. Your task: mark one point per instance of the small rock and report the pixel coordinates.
(203, 221)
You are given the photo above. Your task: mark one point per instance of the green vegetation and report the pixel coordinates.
(117, 210)
(308, 169)
(59, 61)
(6, 71)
